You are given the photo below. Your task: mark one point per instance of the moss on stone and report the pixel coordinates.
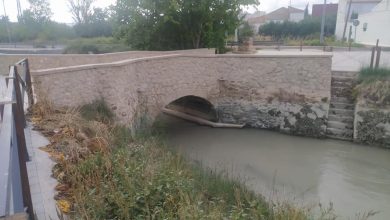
(372, 128)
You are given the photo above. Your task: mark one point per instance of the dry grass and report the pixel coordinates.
(374, 87)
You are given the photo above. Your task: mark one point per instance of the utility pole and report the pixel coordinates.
(346, 20)
(323, 23)
(6, 23)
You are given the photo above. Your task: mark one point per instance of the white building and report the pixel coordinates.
(374, 18)
(375, 25)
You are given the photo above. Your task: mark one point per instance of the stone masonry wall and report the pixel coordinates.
(288, 93)
(372, 125)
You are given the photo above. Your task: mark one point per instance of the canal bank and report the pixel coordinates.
(355, 178)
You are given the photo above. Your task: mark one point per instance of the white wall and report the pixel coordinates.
(359, 7)
(378, 27)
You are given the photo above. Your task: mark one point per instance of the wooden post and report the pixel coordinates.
(372, 57)
(378, 57)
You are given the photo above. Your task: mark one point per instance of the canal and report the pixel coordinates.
(304, 171)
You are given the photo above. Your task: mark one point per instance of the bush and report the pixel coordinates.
(302, 29)
(95, 46)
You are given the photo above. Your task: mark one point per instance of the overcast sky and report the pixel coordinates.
(61, 10)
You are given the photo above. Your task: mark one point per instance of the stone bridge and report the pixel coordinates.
(290, 93)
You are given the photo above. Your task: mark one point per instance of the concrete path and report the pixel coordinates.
(341, 60)
(355, 60)
(40, 170)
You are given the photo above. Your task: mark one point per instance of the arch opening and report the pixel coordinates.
(195, 106)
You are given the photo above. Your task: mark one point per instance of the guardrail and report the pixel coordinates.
(257, 43)
(15, 195)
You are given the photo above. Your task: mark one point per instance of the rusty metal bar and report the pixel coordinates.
(372, 57)
(378, 57)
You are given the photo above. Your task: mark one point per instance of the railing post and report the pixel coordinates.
(18, 94)
(378, 57)
(29, 84)
(372, 57)
(301, 45)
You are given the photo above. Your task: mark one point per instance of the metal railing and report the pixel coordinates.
(15, 196)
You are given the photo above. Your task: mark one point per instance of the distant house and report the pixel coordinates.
(358, 8)
(279, 15)
(330, 10)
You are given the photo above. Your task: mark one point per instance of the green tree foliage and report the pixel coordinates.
(177, 24)
(302, 29)
(245, 31)
(98, 24)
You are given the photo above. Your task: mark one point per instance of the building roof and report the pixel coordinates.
(257, 20)
(330, 9)
(280, 14)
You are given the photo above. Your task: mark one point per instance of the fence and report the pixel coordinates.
(15, 196)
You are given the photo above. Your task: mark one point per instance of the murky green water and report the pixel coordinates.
(355, 178)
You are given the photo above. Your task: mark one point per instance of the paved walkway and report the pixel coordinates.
(342, 60)
(39, 171)
(355, 60)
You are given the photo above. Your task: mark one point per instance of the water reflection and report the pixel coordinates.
(355, 178)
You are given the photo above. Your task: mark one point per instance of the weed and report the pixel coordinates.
(98, 110)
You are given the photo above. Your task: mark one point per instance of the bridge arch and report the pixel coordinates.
(195, 106)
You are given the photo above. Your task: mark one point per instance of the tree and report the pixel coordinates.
(81, 10)
(38, 12)
(177, 24)
(245, 31)
(306, 13)
(99, 25)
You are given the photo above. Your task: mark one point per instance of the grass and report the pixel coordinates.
(374, 87)
(104, 173)
(95, 46)
(369, 75)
